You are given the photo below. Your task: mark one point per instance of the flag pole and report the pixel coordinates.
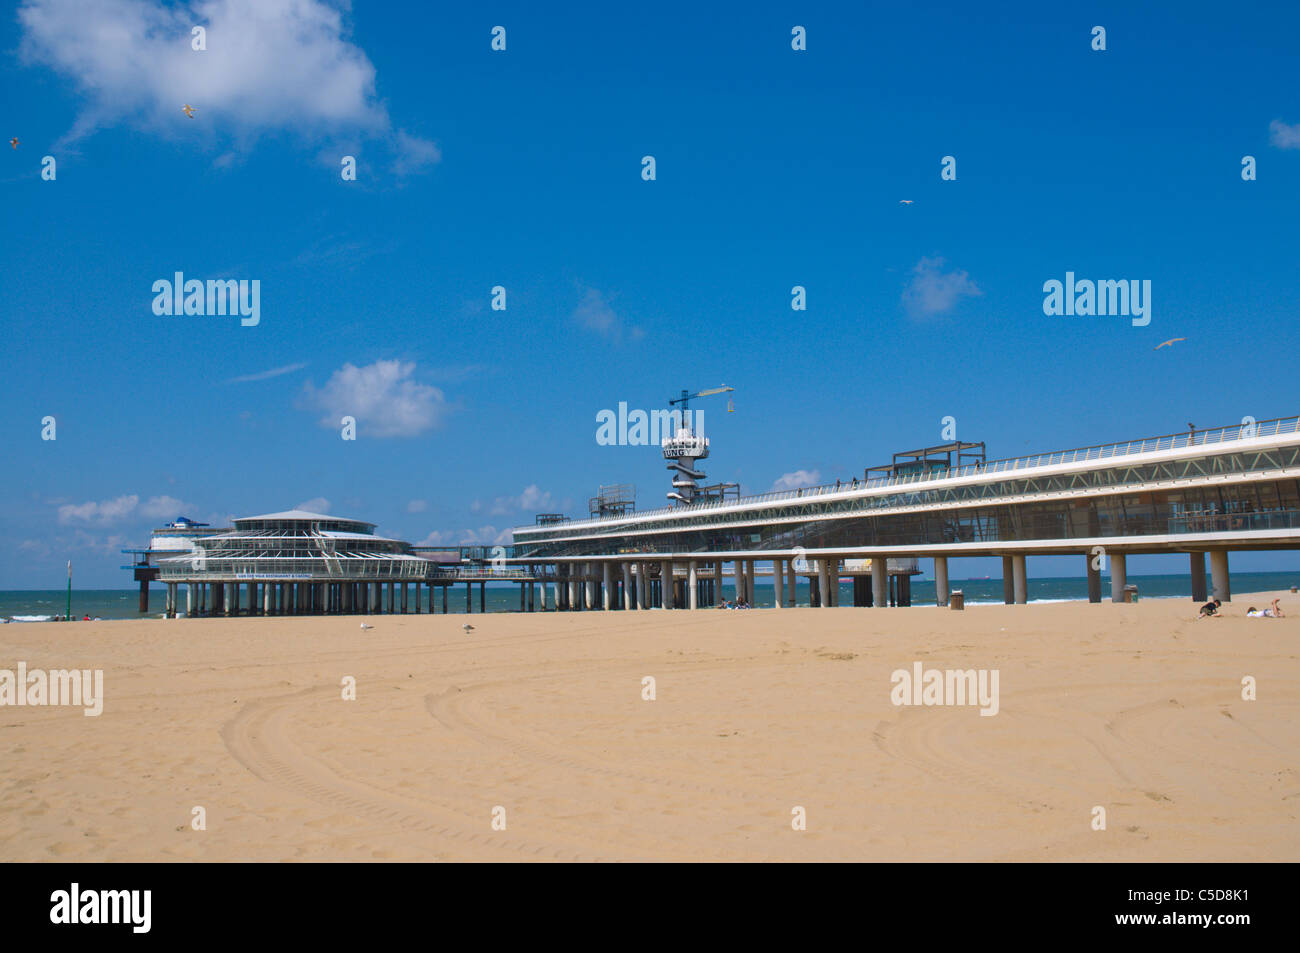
(68, 617)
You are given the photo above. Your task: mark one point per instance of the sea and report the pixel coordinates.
(46, 605)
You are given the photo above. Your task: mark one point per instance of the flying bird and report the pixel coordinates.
(1167, 343)
(468, 628)
(188, 110)
(14, 142)
(364, 626)
(904, 201)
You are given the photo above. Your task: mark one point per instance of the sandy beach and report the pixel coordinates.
(1134, 708)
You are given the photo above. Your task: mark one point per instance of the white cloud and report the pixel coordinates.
(439, 537)
(107, 511)
(483, 536)
(106, 546)
(532, 498)
(596, 314)
(381, 396)
(1284, 136)
(933, 291)
(270, 65)
(417, 506)
(267, 375)
(414, 154)
(799, 478)
(317, 504)
(165, 507)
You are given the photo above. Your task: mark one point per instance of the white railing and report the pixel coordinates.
(1197, 438)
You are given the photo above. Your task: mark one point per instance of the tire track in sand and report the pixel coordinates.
(257, 739)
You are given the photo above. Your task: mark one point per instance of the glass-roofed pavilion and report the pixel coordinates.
(293, 562)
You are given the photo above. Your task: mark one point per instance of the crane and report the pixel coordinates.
(687, 397)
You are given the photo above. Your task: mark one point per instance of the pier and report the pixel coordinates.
(1204, 494)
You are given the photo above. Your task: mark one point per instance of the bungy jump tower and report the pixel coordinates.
(686, 447)
(682, 451)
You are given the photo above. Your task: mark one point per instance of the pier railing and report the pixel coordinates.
(1108, 451)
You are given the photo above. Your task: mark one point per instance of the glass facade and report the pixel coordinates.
(320, 549)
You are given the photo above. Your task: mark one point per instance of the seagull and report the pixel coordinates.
(188, 110)
(1167, 343)
(904, 201)
(468, 628)
(14, 142)
(364, 626)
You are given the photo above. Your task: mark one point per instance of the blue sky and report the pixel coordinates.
(522, 168)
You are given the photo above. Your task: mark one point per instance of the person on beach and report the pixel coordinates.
(1275, 612)
(1211, 608)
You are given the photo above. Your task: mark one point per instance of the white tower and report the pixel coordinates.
(681, 451)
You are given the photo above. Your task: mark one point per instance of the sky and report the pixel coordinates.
(523, 169)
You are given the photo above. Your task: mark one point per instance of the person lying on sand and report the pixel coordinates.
(1211, 608)
(1273, 613)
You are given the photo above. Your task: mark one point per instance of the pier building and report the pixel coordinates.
(1201, 493)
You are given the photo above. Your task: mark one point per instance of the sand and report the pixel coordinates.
(1133, 708)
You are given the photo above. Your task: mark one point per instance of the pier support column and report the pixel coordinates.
(1094, 578)
(232, 600)
(1118, 575)
(717, 582)
(444, 598)
(692, 586)
(482, 597)
(880, 580)
(629, 597)
(778, 583)
(469, 598)
(642, 585)
(543, 588)
(266, 598)
(1198, 577)
(792, 581)
(403, 588)
(1019, 578)
(189, 600)
(1219, 575)
(607, 578)
(665, 585)
(1008, 581)
(589, 585)
(824, 582)
(941, 580)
